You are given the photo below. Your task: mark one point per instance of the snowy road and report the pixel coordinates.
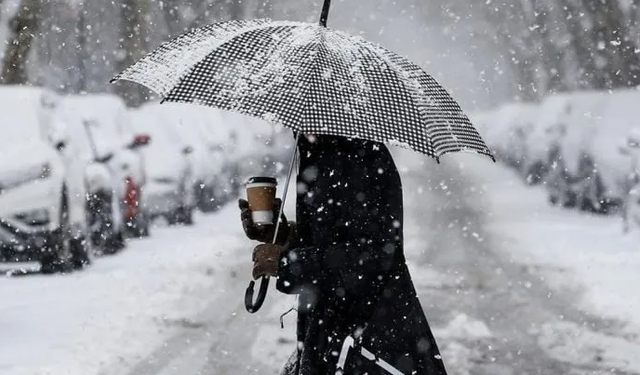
(491, 314)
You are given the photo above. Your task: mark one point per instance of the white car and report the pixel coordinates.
(543, 141)
(96, 153)
(114, 134)
(169, 189)
(42, 197)
(186, 124)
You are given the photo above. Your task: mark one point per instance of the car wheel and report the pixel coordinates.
(138, 226)
(172, 217)
(208, 200)
(182, 215)
(109, 238)
(80, 252)
(56, 255)
(188, 216)
(143, 229)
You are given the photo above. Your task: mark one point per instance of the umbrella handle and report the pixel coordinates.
(251, 306)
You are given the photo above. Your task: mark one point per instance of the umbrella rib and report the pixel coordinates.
(385, 56)
(218, 46)
(396, 69)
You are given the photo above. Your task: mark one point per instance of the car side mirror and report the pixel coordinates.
(60, 145)
(187, 150)
(140, 140)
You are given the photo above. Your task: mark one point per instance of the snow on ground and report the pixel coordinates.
(571, 251)
(116, 312)
(273, 344)
(121, 307)
(570, 342)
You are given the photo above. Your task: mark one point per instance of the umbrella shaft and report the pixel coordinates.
(286, 186)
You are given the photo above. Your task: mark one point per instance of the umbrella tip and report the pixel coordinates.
(325, 13)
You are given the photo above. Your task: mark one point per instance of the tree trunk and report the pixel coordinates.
(82, 48)
(171, 12)
(133, 15)
(236, 9)
(617, 63)
(263, 9)
(23, 27)
(580, 44)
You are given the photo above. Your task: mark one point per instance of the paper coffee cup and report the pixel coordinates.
(261, 194)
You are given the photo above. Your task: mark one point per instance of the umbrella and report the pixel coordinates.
(312, 79)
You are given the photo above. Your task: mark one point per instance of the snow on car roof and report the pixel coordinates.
(104, 114)
(24, 111)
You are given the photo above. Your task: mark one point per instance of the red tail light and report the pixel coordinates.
(131, 198)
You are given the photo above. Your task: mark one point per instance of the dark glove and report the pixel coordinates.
(264, 233)
(265, 260)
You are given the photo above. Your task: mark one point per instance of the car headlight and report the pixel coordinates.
(24, 176)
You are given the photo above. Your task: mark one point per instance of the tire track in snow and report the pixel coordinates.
(481, 281)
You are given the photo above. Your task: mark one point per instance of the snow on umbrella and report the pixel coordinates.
(312, 79)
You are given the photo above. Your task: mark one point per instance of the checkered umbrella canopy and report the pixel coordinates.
(312, 79)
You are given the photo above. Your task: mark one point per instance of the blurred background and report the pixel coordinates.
(504, 50)
(526, 266)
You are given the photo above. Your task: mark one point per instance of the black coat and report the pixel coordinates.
(357, 305)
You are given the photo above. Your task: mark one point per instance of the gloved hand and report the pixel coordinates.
(265, 260)
(264, 233)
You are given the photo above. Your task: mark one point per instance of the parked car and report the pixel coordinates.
(616, 118)
(572, 181)
(116, 125)
(188, 125)
(116, 134)
(259, 148)
(42, 191)
(517, 120)
(168, 192)
(99, 154)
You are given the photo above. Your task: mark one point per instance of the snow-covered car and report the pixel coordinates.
(188, 125)
(508, 132)
(543, 141)
(608, 121)
(115, 130)
(42, 192)
(169, 191)
(98, 152)
(571, 181)
(258, 148)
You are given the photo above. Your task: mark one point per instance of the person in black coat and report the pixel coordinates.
(358, 312)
